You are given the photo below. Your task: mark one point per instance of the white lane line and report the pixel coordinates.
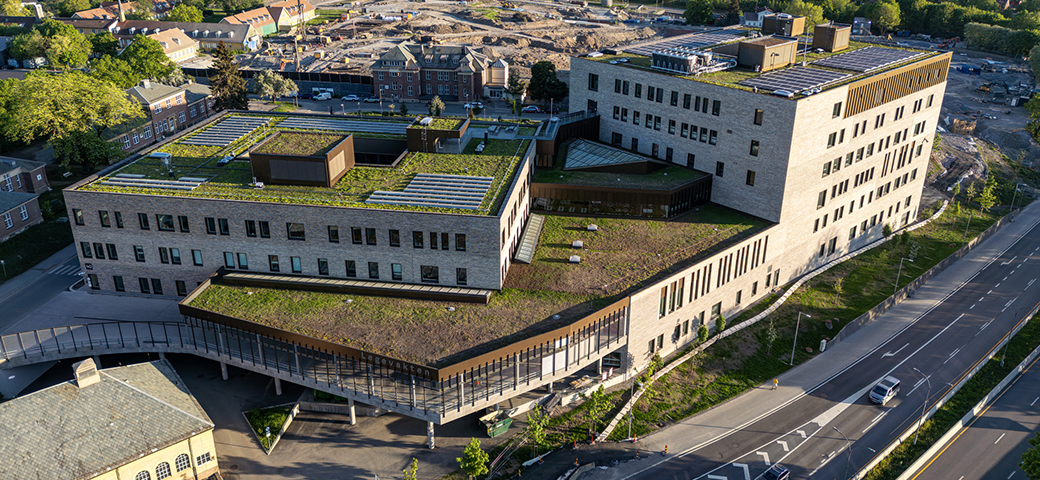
(783, 444)
(747, 474)
(1030, 284)
(823, 462)
(1034, 401)
(717, 477)
(998, 438)
(919, 383)
(996, 286)
(801, 432)
(892, 354)
(875, 420)
(951, 355)
(1012, 474)
(1008, 304)
(989, 292)
(982, 298)
(971, 307)
(1009, 261)
(765, 457)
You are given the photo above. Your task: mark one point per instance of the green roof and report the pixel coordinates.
(299, 144)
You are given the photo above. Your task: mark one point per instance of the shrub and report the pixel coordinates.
(702, 333)
(720, 324)
(887, 230)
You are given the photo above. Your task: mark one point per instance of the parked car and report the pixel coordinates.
(351, 98)
(885, 390)
(532, 109)
(473, 105)
(306, 96)
(777, 472)
(323, 96)
(553, 111)
(372, 100)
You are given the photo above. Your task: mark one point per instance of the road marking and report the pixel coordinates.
(920, 382)
(875, 420)
(1008, 304)
(1034, 401)
(892, 354)
(823, 462)
(971, 307)
(765, 457)
(951, 355)
(1030, 284)
(989, 292)
(982, 298)
(783, 444)
(801, 432)
(717, 477)
(1004, 280)
(1009, 261)
(998, 439)
(1012, 474)
(996, 286)
(747, 474)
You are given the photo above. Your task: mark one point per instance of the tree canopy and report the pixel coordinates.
(114, 70)
(66, 8)
(813, 13)
(884, 14)
(1031, 459)
(103, 43)
(226, 84)
(60, 43)
(474, 460)
(185, 13)
(14, 8)
(544, 84)
(271, 84)
(699, 12)
(146, 58)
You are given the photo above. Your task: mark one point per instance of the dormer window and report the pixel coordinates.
(195, 32)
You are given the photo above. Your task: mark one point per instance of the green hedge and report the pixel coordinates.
(261, 418)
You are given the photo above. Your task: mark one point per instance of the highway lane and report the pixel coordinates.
(991, 446)
(937, 350)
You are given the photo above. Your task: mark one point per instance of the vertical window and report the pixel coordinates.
(429, 274)
(103, 217)
(351, 268)
(243, 262)
(333, 234)
(143, 283)
(836, 111)
(164, 255)
(142, 219)
(395, 238)
(356, 236)
(460, 242)
(229, 259)
(211, 225)
(119, 219)
(754, 148)
(183, 462)
(445, 235)
(758, 116)
(323, 266)
(370, 236)
(99, 251)
(297, 266)
(157, 286)
(739, 293)
(750, 178)
(716, 107)
(674, 101)
(272, 263)
(417, 239)
(182, 291)
(373, 270)
(224, 228)
(719, 168)
(182, 222)
(85, 249)
(433, 240)
(139, 253)
(117, 280)
(593, 82)
(461, 276)
(821, 200)
(251, 228)
(175, 254)
(265, 229)
(686, 101)
(832, 139)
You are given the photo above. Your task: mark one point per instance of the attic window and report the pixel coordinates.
(195, 32)
(230, 34)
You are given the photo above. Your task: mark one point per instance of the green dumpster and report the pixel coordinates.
(496, 423)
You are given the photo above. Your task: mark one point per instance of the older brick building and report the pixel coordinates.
(21, 183)
(453, 72)
(167, 110)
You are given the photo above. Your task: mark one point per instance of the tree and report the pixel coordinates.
(404, 109)
(436, 106)
(1031, 459)
(544, 83)
(720, 324)
(52, 106)
(733, 13)
(145, 10)
(987, 199)
(178, 77)
(64, 52)
(884, 14)
(813, 13)
(536, 424)
(702, 333)
(114, 70)
(474, 460)
(596, 404)
(699, 12)
(14, 8)
(146, 58)
(65, 8)
(227, 85)
(956, 191)
(184, 13)
(410, 472)
(103, 43)
(268, 84)
(28, 45)
(515, 87)
(86, 149)
(1034, 61)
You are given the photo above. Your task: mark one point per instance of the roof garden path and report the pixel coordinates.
(624, 255)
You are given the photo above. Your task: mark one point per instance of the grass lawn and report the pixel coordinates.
(664, 179)
(271, 418)
(299, 144)
(35, 244)
(285, 107)
(611, 263)
(745, 360)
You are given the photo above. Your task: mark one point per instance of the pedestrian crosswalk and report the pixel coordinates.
(72, 270)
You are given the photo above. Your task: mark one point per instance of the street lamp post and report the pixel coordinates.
(898, 273)
(923, 404)
(848, 446)
(796, 325)
(965, 237)
(1014, 196)
(632, 391)
(3, 264)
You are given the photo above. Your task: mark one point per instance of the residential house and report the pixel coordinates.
(135, 421)
(168, 109)
(289, 13)
(209, 35)
(91, 25)
(754, 19)
(25, 22)
(260, 19)
(176, 44)
(454, 72)
(21, 182)
(116, 10)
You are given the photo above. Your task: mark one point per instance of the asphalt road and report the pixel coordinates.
(991, 446)
(19, 303)
(935, 352)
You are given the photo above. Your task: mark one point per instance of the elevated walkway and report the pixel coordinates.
(529, 240)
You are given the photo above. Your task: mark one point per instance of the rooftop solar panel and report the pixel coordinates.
(693, 41)
(226, 132)
(794, 79)
(584, 154)
(868, 59)
(435, 190)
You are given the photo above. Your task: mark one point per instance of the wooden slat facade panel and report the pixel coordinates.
(880, 89)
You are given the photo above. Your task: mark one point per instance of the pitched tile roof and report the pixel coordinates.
(257, 17)
(10, 201)
(67, 432)
(153, 92)
(173, 40)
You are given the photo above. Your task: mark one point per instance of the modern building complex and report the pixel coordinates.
(132, 422)
(696, 174)
(21, 183)
(454, 72)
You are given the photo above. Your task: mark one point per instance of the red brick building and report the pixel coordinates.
(21, 182)
(167, 110)
(453, 72)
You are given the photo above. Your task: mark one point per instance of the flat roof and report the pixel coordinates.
(299, 144)
(199, 164)
(583, 153)
(844, 66)
(547, 294)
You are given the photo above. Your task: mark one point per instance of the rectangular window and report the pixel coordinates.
(272, 263)
(99, 251)
(119, 219)
(719, 168)
(429, 274)
(85, 249)
(461, 277)
(395, 271)
(196, 257)
(333, 234)
(139, 253)
(295, 231)
(142, 219)
(145, 288)
(118, 281)
(164, 222)
(103, 217)
(243, 262)
(229, 260)
(417, 239)
(297, 265)
(836, 111)
(687, 98)
(716, 310)
(323, 266)
(373, 270)
(674, 101)
(739, 293)
(758, 116)
(251, 228)
(433, 240)
(662, 306)
(671, 127)
(182, 289)
(821, 200)
(370, 236)
(713, 138)
(754, 148)
(351, 268)
(157, 286)
(750, 178)
(716, 107)
(182, 222)
(639, 90)
(460, 242)
(175, 255)
(593, 82)
(224, 228)
(164, 255)
(832, 139)
(211, 225)
(265, 229)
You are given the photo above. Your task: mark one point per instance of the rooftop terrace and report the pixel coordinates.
(612, 265)
(499, 160)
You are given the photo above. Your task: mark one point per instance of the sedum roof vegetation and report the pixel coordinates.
(664, 179)
(500, 160)
(299, 144)
(613, 265)
(442, 123)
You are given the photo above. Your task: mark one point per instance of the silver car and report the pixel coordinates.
(885, 390)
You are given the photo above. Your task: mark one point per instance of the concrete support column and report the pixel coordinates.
(550, 387)
(413, 392)
(97, 361)
(260, 348)
(516, 371)
(162, 356)
(429, 433)
(353, 414)
(223, 370)
(599, 366)
(277, 386)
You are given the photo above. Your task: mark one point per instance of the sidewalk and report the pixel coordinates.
(12, 286)
(720, 421)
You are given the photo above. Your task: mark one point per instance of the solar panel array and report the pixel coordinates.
(437, 190)
(226, 132)
(691, 41)
(794, 79)
(138, 181)
(362, 126)
(868, 59)
(584, 154)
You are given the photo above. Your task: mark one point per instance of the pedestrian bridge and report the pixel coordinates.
(370, 381)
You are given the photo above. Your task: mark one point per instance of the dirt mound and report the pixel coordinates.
(1017, 145)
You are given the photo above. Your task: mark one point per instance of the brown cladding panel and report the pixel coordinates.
(880, 89)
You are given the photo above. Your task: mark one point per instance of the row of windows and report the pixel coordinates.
(830, 247)
(656, 94)
(6, 186)
(427, 273)
(838, 137)
(9, 221)
(148, 286)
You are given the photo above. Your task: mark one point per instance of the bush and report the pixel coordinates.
(720, 324)
(702, 333)
(887, 230)
(263, 418)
